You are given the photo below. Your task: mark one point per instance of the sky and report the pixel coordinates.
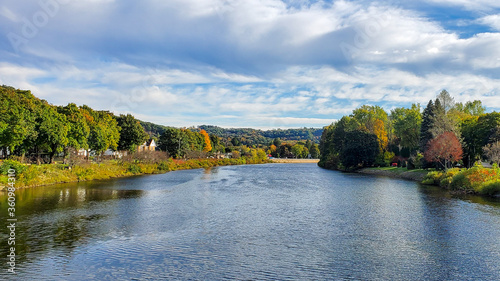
(261, 64)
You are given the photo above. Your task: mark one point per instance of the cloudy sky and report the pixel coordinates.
(250, 63)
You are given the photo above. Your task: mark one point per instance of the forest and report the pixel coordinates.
(443, 137)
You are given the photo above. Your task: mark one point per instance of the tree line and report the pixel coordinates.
(36, 131)
(32, 127)
(443, 134)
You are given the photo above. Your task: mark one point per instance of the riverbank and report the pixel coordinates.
(48, 174)
(290, 160)
(417, 175)
(476, 180)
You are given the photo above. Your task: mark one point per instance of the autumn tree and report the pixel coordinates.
(445, 149)
(207, 146)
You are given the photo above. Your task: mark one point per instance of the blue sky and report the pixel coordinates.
(262, 64)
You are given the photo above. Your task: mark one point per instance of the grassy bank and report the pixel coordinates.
(476, 180)
(395, 172)
(38, 175)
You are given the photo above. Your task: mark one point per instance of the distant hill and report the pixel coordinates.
(247, 136)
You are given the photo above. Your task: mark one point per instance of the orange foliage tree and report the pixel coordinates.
(208, 144)
(444, 149)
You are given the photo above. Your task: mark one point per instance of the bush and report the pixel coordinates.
(490, 188)
(460, 182)
(433, 178)
(447, 177)
(134, 169)
(12, 164)
(163, 166)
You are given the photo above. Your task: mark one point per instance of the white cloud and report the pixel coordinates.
(491, 20)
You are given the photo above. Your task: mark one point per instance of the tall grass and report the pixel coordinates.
(36, 175)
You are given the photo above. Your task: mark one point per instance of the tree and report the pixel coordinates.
(132, 134)
(444, 149)
(472, 142)
(174, 142)
(360, 149)
(104, 130)
(407, 123)
(446, 100)
(441, 122)
(314, 151)
(17, 119)
(52, 128)
(426, 126)
(492, 152)
(79, 130)
(297, 150)
(207, 145)
(474, 108)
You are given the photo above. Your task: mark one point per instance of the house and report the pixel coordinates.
(149, 145)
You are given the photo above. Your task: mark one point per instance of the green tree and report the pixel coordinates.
(104, 130)
(132, 134)
(174, 142)
(52, 128)
(315, 153)
(297, 150)
(426, 125)
(407, 123)
(79, 130)
(360, 149)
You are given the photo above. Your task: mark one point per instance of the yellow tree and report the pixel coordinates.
(208, 145)
(381, 133)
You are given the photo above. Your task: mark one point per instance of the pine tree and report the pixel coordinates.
(425, 129)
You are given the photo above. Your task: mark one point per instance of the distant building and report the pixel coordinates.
(149, 145)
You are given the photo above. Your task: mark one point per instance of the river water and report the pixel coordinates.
(252, 222)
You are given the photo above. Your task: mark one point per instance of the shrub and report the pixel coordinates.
(460, 182)
(490, 188)
(163, 166)
(134, 169)
(447, 177)
(12, 164)
(433, 178)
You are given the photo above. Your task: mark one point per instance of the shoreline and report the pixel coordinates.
(412, 175)
(51, 174)
(293, 161)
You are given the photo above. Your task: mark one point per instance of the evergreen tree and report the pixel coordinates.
(425, 129)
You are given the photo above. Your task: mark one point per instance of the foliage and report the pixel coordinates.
(360, 149)
(207, 144)
(444, 149)
(426, 125)
(132, 134)
(473, 180)
(11, 164)
(407, 123)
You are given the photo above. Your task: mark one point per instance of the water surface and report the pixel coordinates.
(254, 222)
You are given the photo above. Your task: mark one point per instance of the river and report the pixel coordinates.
(252, 222)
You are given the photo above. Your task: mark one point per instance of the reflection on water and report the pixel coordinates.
(265, 222)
